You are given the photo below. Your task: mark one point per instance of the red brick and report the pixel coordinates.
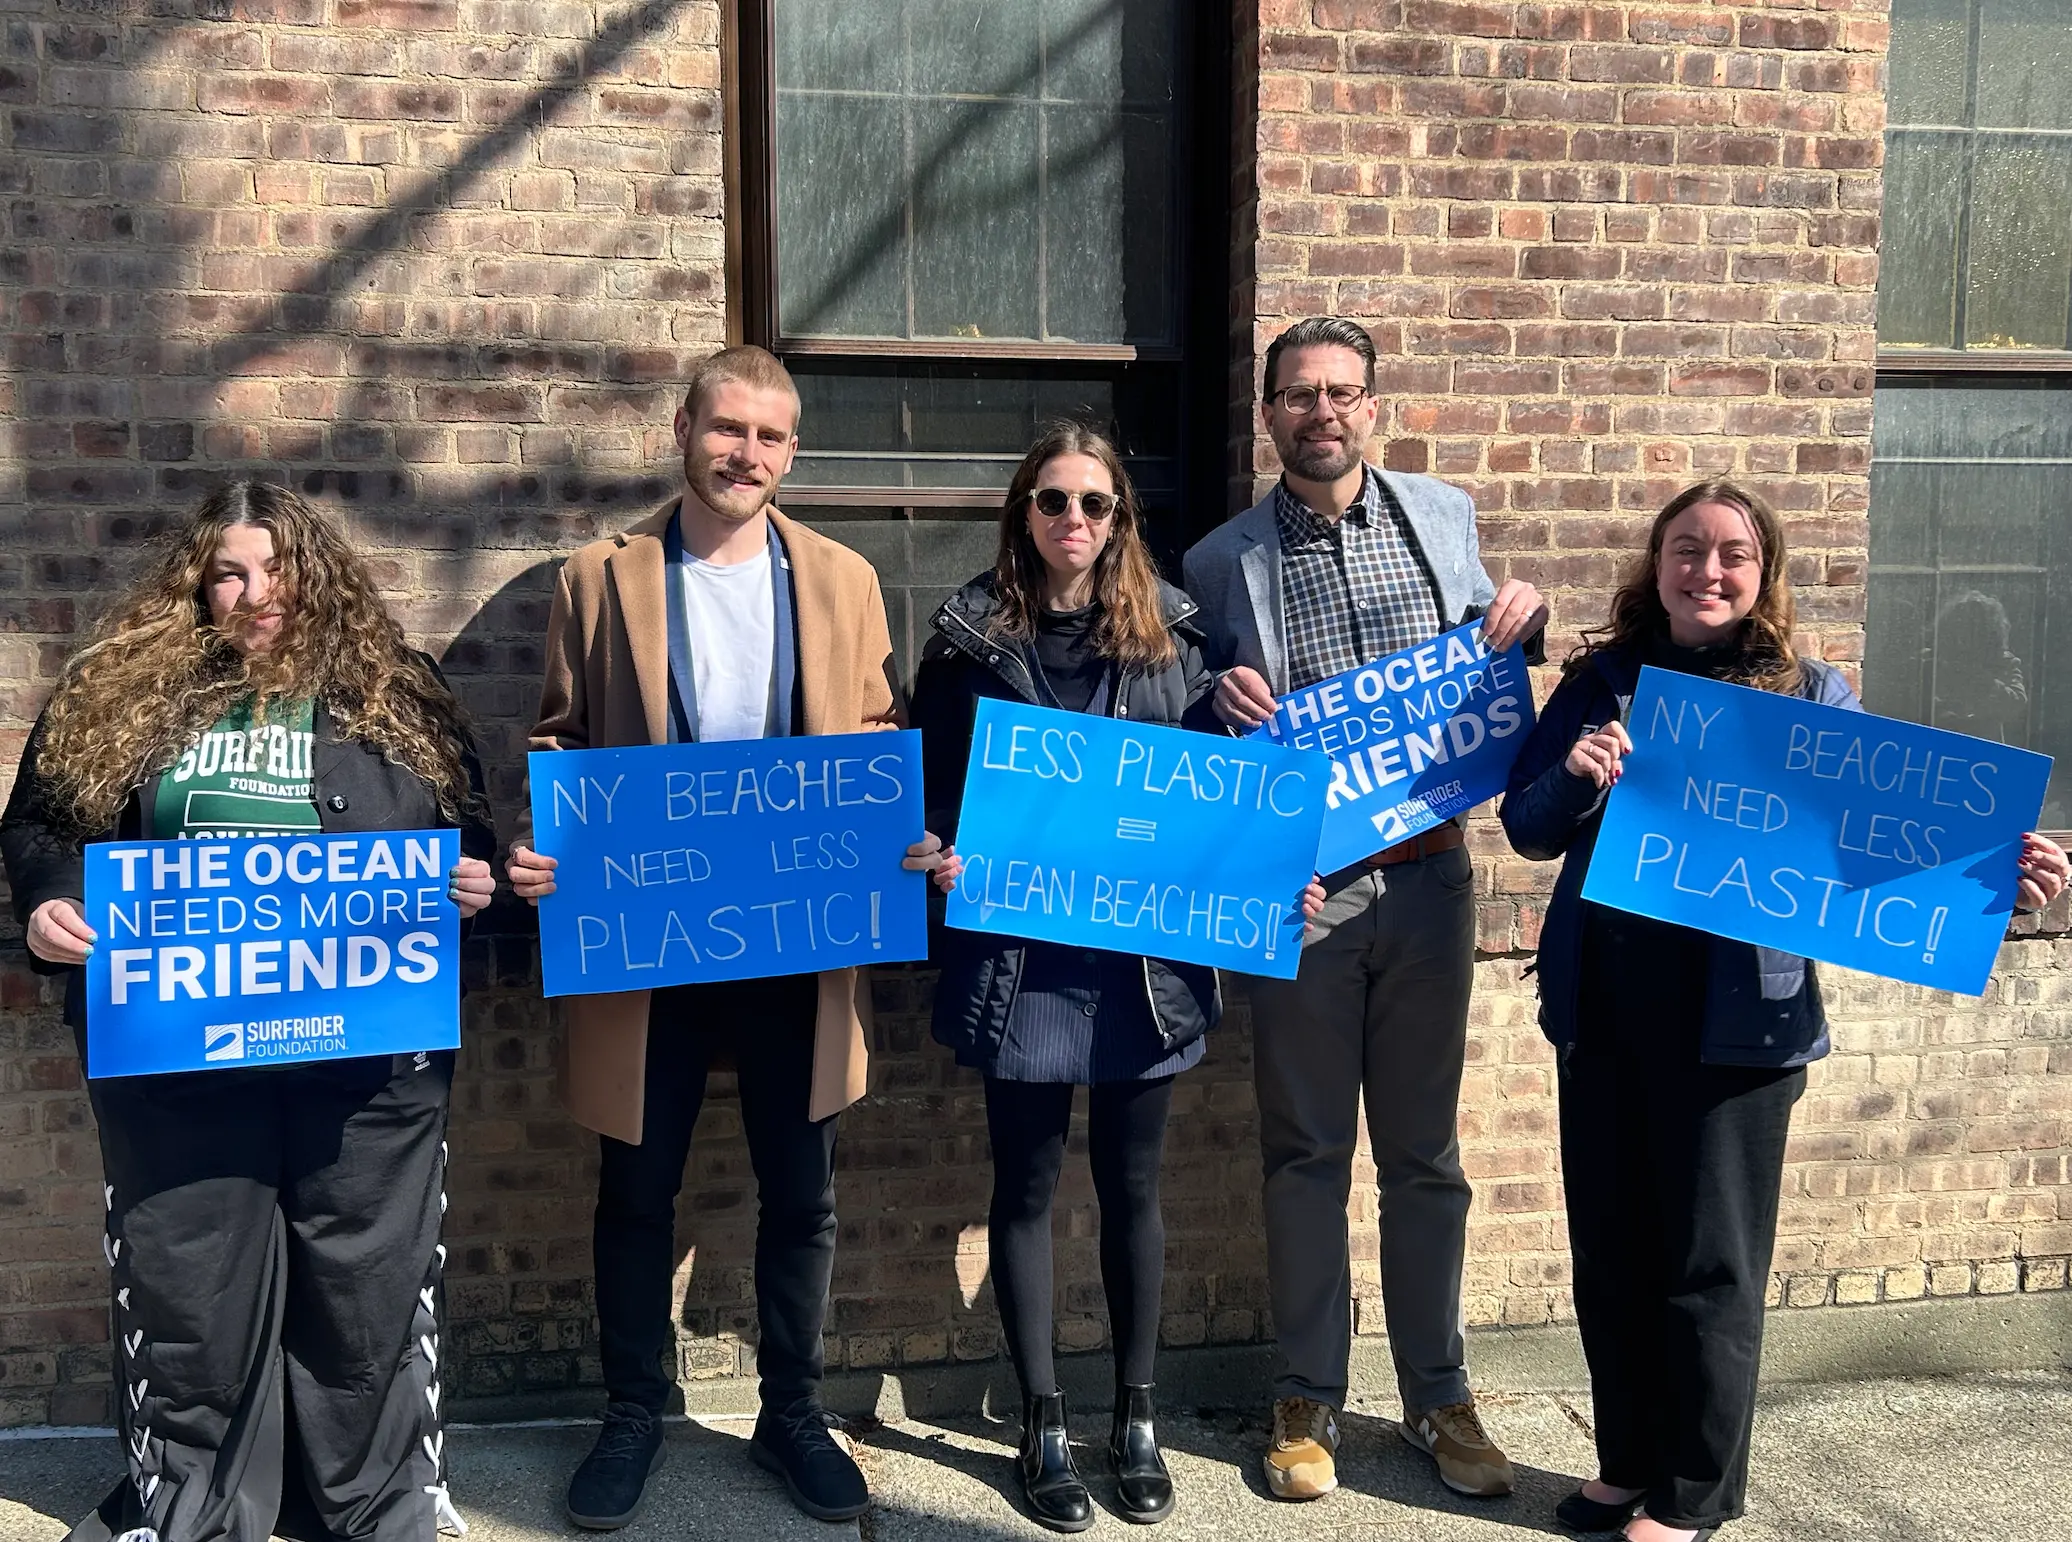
(1626, 65)
(1401, 56)
(1791, 31)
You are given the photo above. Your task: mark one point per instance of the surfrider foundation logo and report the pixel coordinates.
(223, 1041)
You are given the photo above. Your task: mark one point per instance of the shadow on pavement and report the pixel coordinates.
(57, 1481)
(1373, 1461)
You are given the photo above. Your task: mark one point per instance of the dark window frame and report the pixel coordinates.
(752, 46)
(1198, 271)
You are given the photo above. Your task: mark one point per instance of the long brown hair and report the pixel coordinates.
(1766, 658)
(1131, 627)
(157, 670)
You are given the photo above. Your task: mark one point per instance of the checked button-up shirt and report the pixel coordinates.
(1353, 590)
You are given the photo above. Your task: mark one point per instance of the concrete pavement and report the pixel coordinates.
(1913, 1460)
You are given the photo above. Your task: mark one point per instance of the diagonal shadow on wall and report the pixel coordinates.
(155, 340)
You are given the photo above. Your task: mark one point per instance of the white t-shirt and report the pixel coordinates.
(730, 619)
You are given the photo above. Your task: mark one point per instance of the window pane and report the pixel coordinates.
(1917, 280)
(976, 240)
(848, 45)
(2018, 279)
(1971, 563)
(2025, 63)
(975, 47)
(1100, 51)
(1926, 80)
(1101, 165)
(841, 242)
(976, 169)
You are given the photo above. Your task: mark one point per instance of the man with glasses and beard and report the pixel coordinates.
(1339, 565)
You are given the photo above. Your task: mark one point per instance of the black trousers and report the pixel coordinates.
(768, 1026)
(1672, 1169)
(1028, 1122)
(273, 1238)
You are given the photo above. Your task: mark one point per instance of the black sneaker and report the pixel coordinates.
(605, 1492)
(798, 1444)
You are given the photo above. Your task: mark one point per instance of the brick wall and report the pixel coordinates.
(441, 263)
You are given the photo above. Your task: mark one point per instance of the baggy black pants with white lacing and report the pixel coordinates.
(273, 1241)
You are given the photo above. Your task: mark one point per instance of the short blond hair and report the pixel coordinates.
(745, 365)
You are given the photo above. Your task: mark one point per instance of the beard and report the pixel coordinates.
(1323, 460)
(735, 502)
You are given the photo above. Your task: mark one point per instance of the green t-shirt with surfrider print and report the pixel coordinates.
(241, 777)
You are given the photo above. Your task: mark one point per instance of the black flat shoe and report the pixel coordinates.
(1143, 1487)
(606, 1490)
(798, 1444)
(1579, 1512)
(1051, 1485)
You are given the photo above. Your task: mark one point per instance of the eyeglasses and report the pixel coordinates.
(1056, 503)
(1302, 399)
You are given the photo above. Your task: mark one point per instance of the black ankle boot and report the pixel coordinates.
(1050, 1483)
(1144, 1489)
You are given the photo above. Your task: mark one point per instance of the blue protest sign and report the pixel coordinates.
(1856, 840)
(682, 863)
(1414, 738)
(270, 950)
(1109, 834)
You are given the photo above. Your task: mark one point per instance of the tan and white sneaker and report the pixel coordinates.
(1469, 1461)
(1300, 1463)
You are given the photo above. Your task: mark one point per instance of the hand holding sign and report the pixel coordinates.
(2044, 870)
(58, 933)
(1597, 756)
(1243, 699)
(1514, 614)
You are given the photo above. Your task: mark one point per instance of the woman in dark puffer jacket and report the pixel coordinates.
(1072, 616)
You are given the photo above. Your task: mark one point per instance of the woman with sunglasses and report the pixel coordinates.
(1072, 616)
(1681, 1053)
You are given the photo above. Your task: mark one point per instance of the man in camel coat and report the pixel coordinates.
(716, 618)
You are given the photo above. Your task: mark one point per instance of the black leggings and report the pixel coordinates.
(1125, 1144)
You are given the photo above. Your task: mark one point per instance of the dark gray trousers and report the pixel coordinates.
(273, 1241)
(1379, 1009)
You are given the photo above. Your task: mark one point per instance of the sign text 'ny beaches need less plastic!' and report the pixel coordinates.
(1101, 833)
(1414, 738)
(270, 950)
(1855, 840)
(683, 863)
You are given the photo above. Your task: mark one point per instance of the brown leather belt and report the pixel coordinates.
(1440, 838)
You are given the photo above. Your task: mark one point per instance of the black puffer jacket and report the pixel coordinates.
(964, 661)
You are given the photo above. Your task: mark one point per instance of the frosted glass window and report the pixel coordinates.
(1978, 182)
(1971, 562)
(990, 170)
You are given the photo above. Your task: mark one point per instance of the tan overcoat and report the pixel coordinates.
(607, 685)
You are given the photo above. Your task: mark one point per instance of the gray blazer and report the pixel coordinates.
(1234, 574)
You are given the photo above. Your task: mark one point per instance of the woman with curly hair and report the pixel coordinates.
(272, 1234)
(1680, 1053)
